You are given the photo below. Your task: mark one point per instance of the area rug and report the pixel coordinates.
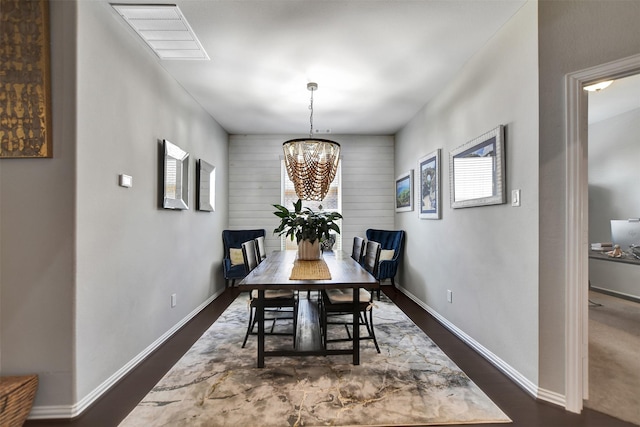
(412, 382)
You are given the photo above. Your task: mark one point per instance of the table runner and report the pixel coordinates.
(310, 270)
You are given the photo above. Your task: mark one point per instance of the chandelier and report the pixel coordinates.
(311, 163)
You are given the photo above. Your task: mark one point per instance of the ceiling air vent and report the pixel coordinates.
(164, 29)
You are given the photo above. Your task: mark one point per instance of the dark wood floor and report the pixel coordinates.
(525, 411)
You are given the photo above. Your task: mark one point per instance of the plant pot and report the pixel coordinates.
(309, 251)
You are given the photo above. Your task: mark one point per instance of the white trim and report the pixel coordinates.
(552, 397)
(72, 411)
(575, 274)
(576, 224)
(500, 364)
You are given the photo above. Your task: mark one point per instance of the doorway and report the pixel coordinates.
(614, 309)
(576, 223)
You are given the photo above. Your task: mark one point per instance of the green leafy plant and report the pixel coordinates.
(305, 224)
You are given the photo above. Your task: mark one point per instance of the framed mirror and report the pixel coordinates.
(176, 177)
(205, 187)
(476, 169)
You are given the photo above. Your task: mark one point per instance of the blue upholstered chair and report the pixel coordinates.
(389, 240)
(233, 263)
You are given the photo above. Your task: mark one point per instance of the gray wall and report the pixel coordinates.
(367, 183)
(486, 255)
(572, 36)
(37, 239)
(614, 159)
(88, 267)
(131, 255)
(614, 156)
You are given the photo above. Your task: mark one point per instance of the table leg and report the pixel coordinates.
(356, 326)
(260, 320)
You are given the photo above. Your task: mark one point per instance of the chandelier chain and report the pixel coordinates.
(311, 115)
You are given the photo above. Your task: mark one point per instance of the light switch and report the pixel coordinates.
(515, 197)
(126, 181)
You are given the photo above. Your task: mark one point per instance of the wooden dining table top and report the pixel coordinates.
(274, 272)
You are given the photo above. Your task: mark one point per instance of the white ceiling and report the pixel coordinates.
(377, 62)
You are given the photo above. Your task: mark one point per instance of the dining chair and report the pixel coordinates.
(337, 304)
(391, 242)
(280, 304)
(260, 249)
(358, 249)
(232, 263)
(372, 257)
(249, 255)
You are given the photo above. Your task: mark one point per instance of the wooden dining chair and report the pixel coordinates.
(249, 255)
(358, 249)
(260, 249)
(279, 304)
(337, 304)
(371, 260)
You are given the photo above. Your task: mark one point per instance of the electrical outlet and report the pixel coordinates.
(173, 300)
(449, 296)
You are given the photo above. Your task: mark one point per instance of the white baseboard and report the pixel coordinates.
(552, 397)
(72, 411)
(515, 376)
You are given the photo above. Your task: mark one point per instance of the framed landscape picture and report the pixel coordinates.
(404, 192)
(429, 194)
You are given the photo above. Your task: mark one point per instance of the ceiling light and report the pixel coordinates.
(164, 29)
(597, 87)
(311, 163)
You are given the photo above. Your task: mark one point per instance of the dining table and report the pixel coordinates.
(282, 270)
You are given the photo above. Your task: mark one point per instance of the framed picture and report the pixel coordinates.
(429, 194)
(477, 173)
(404, 192)
(25, 89)
(175, 177)
(205, 187)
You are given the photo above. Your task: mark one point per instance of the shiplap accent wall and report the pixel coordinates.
(368, 183)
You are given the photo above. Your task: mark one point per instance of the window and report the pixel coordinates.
(332, 202)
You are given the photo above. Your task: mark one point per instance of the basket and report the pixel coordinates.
(16, 398)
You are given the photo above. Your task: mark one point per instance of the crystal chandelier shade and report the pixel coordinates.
(311, 163)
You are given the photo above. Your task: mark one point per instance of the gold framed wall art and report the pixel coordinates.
(25, 79)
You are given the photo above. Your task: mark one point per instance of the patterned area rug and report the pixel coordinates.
(412, 382)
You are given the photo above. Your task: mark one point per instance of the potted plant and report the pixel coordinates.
(307, 226)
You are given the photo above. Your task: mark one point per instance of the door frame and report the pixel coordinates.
(577, 224)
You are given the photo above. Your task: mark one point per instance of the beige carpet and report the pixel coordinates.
(614, 357)
(411, 383)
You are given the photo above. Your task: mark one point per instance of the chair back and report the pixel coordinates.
(388, 239)
(358, 249)
(235, 238)
(260, 249)
(371, 257)
(249, 255)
